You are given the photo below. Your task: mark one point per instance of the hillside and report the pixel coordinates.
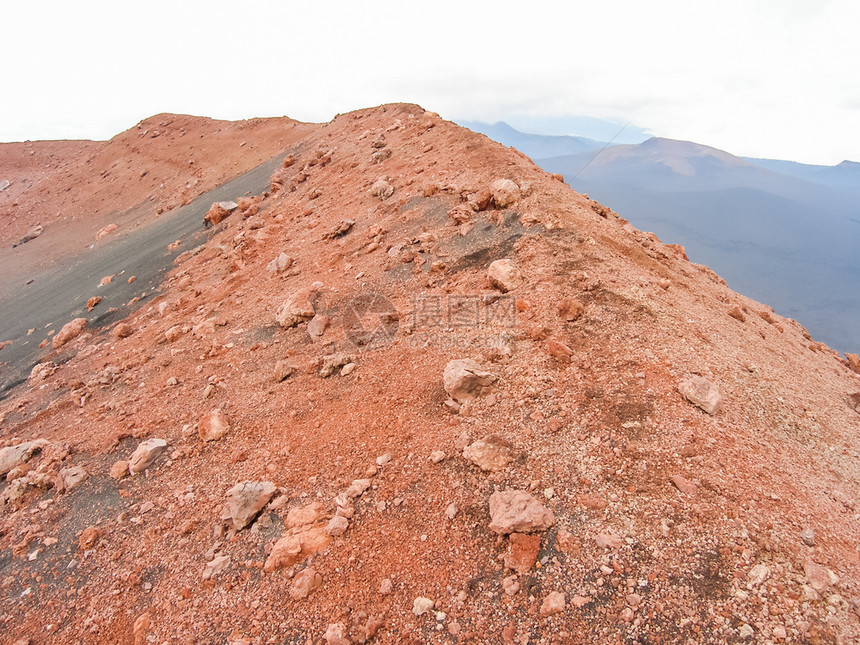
(781, 232)
(421, 391)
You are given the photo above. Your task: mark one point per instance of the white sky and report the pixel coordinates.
(767, 78)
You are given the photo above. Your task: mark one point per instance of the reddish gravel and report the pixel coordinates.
(671, 524)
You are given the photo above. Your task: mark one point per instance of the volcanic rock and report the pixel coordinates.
(213, 425)
(505, 192)
(246, 500)
(504, 275)
(145, 455)
(304, 583)
(464, 379)
(13, 456)
(297, 308)
(516, 511)
(70, 331)
(492, 453)
(701, 392)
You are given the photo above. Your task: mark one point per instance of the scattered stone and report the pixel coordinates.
(379, 156)
(437, 456)
(89, 538)
(522, 552)
(318, 325)
(451, 511)
(568, 542)
(105, 281)
(592, 502)
(386, 586)
(383, 460)
(738, 314)
(213, 425)
(746, 632)
(422, 605)
(218, 212)
(305, 515)
(464, 379)
(505, 192)
(70, 331)
(808, 537)
(140, 630)
(283, 370)
(333, 363)
(553, 604)
(122, 330)
(13, 456)
(559, 350)
(336, 634)
(32, 234)
(701, 392)
(853, 362)
(174, 332)
(608, 541)
(145, 455)
(216, 566)
(337, 526)
(511, 585)
(357, 488)
(280, 263)
(106, 230)
(296, 545)
(69, 478)
(504, 275)
(516, 511)
(304, 584)
(683, 484)
(492, 453)
(758, 574)
(119, 469)
(343, 227)
(580, 601)
(246, 500)
(381, 189)
(297, 308)
(817, 576)
(348, 369)
(92, 302)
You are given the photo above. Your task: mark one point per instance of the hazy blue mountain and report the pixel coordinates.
(784, 233)
(534, 145)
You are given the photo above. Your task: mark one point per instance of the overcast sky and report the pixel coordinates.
(767, 78)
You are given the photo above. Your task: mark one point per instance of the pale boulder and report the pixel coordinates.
(505, 192)
(504, 275)
(70, 331)
(702, 393)
(246, 500)
(464, 379)
(145, 455)
(516, 511)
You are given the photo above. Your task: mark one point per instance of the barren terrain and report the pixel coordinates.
(285, 443)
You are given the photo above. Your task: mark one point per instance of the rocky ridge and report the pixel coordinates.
(432, 395)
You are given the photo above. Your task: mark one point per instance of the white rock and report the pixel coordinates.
(145, 455)
(505, 192)
(464, 379)
(422, 605)
(701, 392)
(504, 275)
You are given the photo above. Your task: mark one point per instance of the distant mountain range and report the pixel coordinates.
(781, 232)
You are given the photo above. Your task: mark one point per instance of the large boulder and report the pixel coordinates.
(464, 379)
